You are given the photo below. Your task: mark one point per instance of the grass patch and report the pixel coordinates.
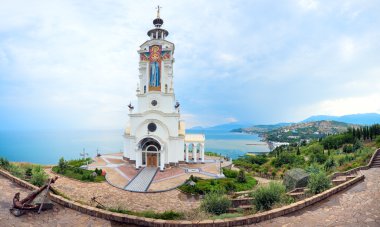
(167, 215)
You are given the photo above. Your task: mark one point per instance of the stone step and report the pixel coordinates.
(142, 181)
(243, 207)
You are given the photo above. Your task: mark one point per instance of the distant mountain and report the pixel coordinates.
(360, 119)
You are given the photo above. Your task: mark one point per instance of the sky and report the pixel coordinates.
(74, 64)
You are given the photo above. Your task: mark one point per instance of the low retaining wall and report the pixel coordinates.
(246, 220)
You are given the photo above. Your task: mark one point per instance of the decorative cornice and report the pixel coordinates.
(174, 114)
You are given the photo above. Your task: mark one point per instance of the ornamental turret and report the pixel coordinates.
(158, 32)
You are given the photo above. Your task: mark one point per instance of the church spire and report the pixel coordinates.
(158, 32)
(158, 11)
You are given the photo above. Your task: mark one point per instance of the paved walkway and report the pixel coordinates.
(120, 172)
(357, 206)
(113, 197)
(59, 216)
(142, 180)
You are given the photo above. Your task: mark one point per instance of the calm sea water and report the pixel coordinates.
(46, 147)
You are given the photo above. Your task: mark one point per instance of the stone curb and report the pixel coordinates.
(141, 221)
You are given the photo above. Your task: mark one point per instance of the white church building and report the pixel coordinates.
(156, 135)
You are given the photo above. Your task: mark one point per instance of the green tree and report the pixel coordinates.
(241, 178)
(62, 164)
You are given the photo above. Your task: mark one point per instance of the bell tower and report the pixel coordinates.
(155, 136)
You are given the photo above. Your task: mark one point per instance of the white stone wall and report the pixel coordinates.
(164, 114)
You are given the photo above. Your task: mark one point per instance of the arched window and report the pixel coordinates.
(166, 88)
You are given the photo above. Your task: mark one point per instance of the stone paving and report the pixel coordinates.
(59, 216)
(120, 172)
(357, 206)
(113, 197)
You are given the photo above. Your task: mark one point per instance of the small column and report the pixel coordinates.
(187, 152)
(162, 161)
(138, 159)
(203, 152)
(195, 152)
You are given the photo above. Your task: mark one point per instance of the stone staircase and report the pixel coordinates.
(376, 161)
(141, 182)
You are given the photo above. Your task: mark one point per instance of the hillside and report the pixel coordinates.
(298, 131)
(361, 119)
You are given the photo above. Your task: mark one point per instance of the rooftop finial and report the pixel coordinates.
(158, 11)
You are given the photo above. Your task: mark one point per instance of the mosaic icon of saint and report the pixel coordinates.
(154, 74)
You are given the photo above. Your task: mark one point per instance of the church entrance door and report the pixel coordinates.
(151, 160)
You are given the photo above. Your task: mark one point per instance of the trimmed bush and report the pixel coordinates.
(215, 203)
(266, 196)
(318, 182)
(230, 173)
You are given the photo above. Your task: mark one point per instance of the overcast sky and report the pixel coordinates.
(73, 64)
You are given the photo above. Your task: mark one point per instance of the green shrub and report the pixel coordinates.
(377, 141)
(38, 178)
(348, 148)
(257, 159)
(230, 187)
(78, 162)
(266, 196)
(357, 145)
(318, 157)
(16, 170)
(62, 165)
(318, 182)
(215, 203)
(336, 141)
(167, 215)
(329, 164)
(230, 173)
(313, 168)
(28, 172)
(4, 163)
(314, 149)
(241, 177)
(287, 158)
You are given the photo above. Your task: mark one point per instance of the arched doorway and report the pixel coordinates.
(150, 152)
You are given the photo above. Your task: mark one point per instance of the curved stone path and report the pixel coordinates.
(357, 206)
(59, 216)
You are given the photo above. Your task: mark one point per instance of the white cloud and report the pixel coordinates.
(308, 5)
(349, 105)
(347, 48)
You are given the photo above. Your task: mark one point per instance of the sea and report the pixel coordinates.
(46, 147)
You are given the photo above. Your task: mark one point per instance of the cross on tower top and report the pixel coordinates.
(158, 11)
